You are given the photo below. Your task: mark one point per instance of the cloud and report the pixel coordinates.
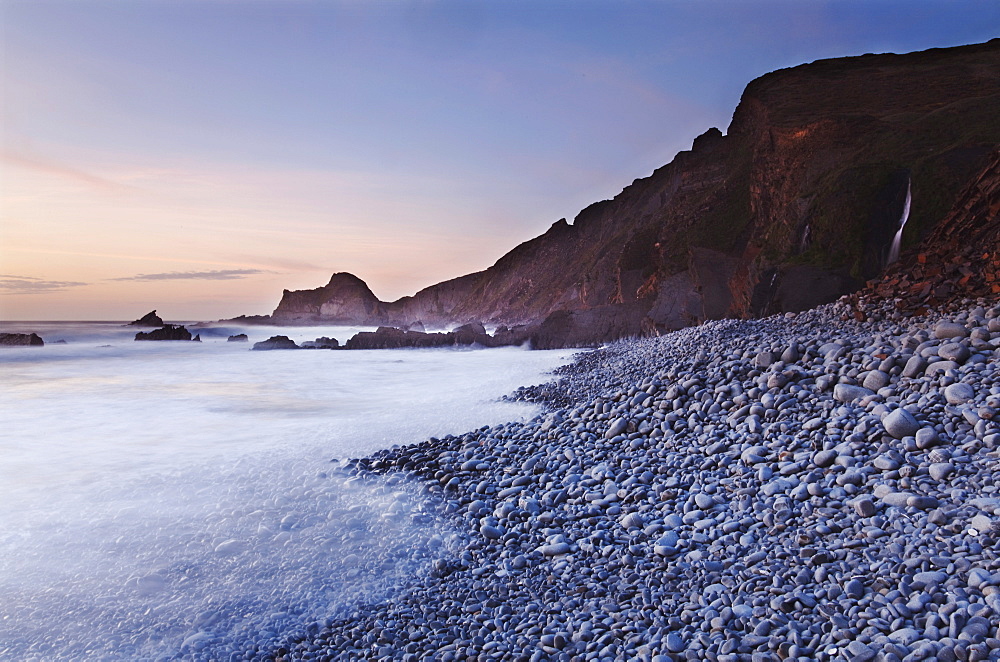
(29, 285)
(54, 168)
(218, 274)
(287, 264)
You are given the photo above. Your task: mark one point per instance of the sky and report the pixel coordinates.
(198, 157)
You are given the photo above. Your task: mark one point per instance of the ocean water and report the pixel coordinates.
(180, 500)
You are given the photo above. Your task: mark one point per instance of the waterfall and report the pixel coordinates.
(896, 240)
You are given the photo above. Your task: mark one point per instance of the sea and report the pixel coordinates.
(186, 500)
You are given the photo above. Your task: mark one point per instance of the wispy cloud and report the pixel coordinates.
(218, 274)
(57, 169)
(29, 285)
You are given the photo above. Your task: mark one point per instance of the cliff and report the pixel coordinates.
(796, 205)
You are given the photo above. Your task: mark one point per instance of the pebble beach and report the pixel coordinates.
(819, 486)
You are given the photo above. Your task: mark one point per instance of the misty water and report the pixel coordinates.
(178, 500)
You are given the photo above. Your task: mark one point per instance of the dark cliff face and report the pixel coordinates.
(795, 206)
(959, 258)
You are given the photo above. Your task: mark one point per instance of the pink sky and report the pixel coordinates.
(199, 157)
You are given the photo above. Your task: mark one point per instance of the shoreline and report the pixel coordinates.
(715, 494)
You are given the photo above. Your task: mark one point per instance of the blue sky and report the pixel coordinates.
(198, 157)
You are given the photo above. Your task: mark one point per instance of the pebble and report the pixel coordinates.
(948, 329)
(900, 423)
(847, 393)
(864, 507)
(738, 491)
(940, 470)
(954, 352)
(959, 393)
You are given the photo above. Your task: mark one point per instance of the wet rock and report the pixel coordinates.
(275, 342)
(166, 332)
(20, 340)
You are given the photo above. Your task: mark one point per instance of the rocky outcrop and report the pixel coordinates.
(275, 342)
(239, 337)
(321, 343)
(167, 332)
(386, 337)
(794, 206)
(149, 319)
(20, 340)
(346, 299)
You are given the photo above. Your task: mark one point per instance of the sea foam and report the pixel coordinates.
(178, 500)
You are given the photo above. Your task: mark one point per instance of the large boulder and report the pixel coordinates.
(149, 319)
(21, 340)
(276, 342)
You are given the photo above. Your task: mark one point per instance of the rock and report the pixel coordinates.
(959, 393)
(922, 502)
(387, 337)
(239, 337)
(632, 521)
(915, 366)
(149, 319)
(555, 549)
(954, 352)
(875, 380)
(275, 342)
(886, 463)
(864, 507)
(20, 340)
(321, 343)
(846, 393)
(617, 427)
(926, 438)
(491, 532)
(824, 459)
(765, 359)
(900, 423)
(929, 578)
(854, 588)
(898, 499)
(940, 470)
(946, 329)
(675, 643)
(166, 332)
(982, 523)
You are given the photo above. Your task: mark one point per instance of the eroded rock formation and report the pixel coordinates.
(149, 319)
(796, 205)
